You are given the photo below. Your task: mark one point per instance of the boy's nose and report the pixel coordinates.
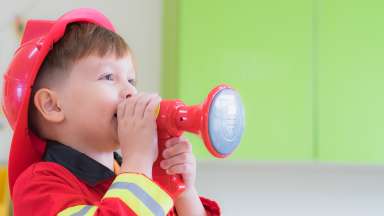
(128, 92)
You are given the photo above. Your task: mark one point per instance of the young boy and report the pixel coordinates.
(70, 98)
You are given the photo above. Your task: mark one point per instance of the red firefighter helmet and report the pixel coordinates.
(38, 39)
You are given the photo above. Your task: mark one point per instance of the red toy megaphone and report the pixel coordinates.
(219, 121)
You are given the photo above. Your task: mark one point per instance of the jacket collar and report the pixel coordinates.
(79, 164)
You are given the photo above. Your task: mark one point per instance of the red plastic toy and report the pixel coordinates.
(219, 121)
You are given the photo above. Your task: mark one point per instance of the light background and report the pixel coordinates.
(248, 187)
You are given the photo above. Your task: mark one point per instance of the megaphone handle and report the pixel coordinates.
(173, 184)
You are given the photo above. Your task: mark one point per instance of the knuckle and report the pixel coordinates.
(187, 168)
(165, 153)
(150, 109)
(170, 152)
(172, 169)
(186, 146)
(184, 157)
(177, 168)
(141, 103)
(141, 125)
(165, 163)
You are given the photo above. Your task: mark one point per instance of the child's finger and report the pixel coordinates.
(130, 104)
(153, 104)
(174, 140)
(180, 169)
(121, 109)
(180, 147)
(141, 104)
(178, 159)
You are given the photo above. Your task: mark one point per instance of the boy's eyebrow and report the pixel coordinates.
(100, 66)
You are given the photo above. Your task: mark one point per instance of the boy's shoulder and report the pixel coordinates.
(46, 188)
(44, 168)
(44, 173)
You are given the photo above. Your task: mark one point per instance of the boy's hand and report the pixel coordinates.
(137, 132)
(179, 159)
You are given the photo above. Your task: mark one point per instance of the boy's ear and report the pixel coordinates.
(47, 103)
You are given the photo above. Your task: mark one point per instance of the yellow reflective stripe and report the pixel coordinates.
(153, 190)
(130, 200)
(79, 210)
(71, 210)
(147, 186)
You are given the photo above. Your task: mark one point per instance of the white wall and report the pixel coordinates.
(289, 189)
(138, 21)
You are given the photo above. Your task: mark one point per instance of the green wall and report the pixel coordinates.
(351, 75)
(309, 73)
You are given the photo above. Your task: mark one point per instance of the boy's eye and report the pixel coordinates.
(107, 77)
(132, 81)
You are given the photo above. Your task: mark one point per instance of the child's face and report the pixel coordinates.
(90, 97)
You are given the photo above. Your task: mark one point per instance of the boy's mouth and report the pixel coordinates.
(115, 115)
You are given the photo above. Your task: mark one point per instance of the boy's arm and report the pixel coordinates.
(189, 202)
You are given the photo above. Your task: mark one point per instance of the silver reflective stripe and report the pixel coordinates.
(143, 196)
(83, 211)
